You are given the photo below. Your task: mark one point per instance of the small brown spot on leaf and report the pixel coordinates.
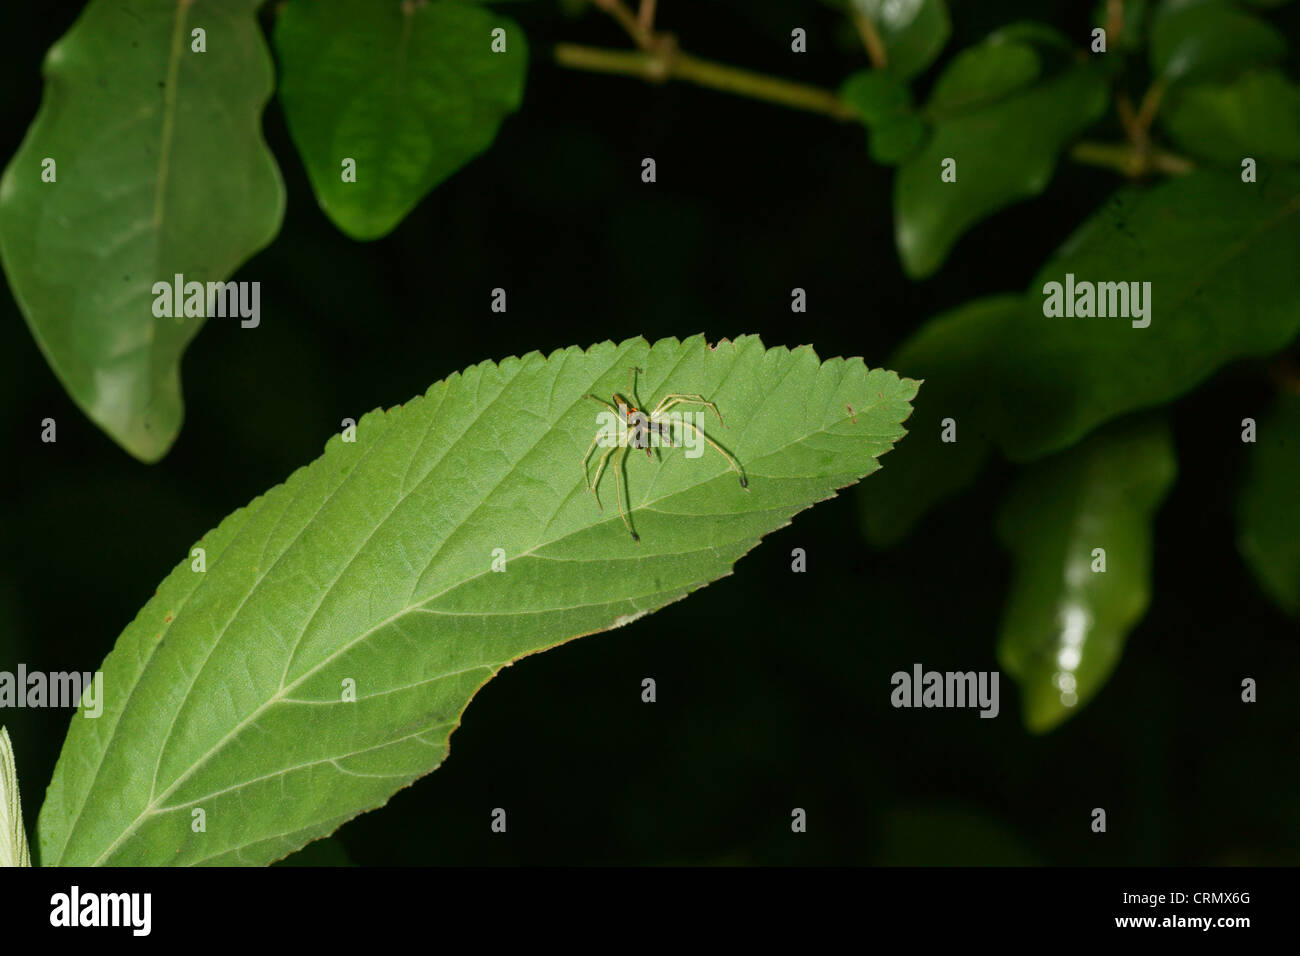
(851, 415)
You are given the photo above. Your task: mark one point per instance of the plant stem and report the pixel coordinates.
(1114, 20)
(665, 64)
(871, 40)
(646, 16)
(1127, 118)
(1132, 161)
(628, 21)
(1150, 105)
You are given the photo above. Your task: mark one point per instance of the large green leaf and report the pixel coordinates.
(375, 564)
(161, 169)
(1004, 152)
(409, 92)
(1257, 115)
(913, 31)
(1220, 255)
(1194, 39)
(1268, 508)
(1066, 620)
(952, 354)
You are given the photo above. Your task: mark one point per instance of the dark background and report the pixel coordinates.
(773, 687)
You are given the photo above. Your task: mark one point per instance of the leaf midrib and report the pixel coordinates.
(169, 112)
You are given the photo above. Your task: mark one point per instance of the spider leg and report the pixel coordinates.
(735, 465)
(621, 419)
(620, 481)
(586, 475)
(679, 398)
(594, 487)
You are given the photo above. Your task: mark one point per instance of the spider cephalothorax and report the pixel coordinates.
(639, 430)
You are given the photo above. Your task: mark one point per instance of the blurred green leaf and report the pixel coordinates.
(161, 169)
(876, 96)
(895, 140)
(953, 354)
(1039, 35)
(1066, 621)
(1268, 506)
(409, 92)
(375, 564)
(1004, 153)
(1220, 255)
(983, 74)
(1256, 115)
(1193, 39)
(886, 107)
(914, 31)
